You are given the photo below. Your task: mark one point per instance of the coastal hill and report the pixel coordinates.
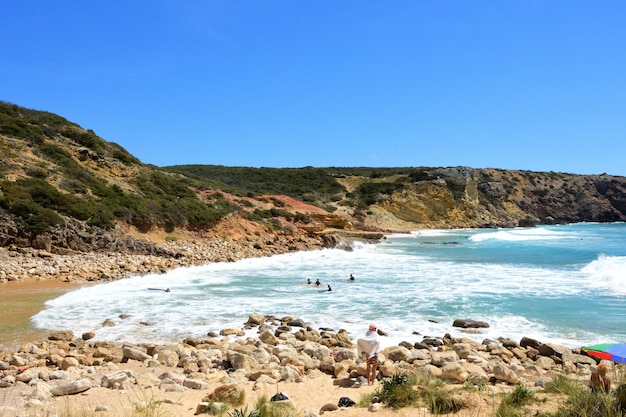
(64, 189)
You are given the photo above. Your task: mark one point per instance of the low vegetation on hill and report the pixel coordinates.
(52, 170)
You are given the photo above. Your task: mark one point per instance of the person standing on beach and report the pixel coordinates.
(368, 347)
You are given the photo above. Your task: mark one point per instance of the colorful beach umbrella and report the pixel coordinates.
(615, 352)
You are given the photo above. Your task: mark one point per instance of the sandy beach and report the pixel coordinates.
(22, 300)
(484, 372)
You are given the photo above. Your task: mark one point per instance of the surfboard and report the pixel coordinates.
(160, 289)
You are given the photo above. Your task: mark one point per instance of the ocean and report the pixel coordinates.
(561, 284)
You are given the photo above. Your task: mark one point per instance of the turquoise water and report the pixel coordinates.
(563, 284)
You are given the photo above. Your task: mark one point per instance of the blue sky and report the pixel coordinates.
(522, 84)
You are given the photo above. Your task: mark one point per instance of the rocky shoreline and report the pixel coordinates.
(21, 264)
(284, 350)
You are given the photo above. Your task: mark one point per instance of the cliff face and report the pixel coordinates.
(466, 197)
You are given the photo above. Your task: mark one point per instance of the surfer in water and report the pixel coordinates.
(317, 282)
(160, 289)
(329, 289)
(308, 281)
(351, 278)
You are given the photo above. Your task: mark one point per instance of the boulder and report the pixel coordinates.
(167, 357)
(65, 335)
(289, 373)
(343, 354)
(232, 332)
(397, 354)
(504, 373)
(285, 353)
(195, 384)
(71, 388)
(136, 354)
(255, 319)
(69, 362)
(268, 338)
(88, 335)
(545, 362)
(240, 360)
(115, 380)
(261, 356)
(27, 376)
(475, 373)
(442, 358)
(387, 369)
(464, 350)
(578, 358)
(455, 372)
(328, 407)
(296, 323)
(553, 349)
(469, 324)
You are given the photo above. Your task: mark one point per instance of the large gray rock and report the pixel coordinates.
(469, 324)
(117, 379)
(195, 384)
(553, 349)
(71, 388)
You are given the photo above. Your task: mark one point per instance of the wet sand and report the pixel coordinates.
(19, 301)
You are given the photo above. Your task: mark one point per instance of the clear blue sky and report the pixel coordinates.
(519, 84)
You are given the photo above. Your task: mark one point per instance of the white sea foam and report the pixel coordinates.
(608, 272)
(521, 234)
(403, 286)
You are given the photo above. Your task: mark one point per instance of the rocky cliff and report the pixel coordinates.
(63, 189)
(467, 197)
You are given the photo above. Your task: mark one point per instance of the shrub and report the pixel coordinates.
(511, 404)
(397, 391)
(244, 413)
